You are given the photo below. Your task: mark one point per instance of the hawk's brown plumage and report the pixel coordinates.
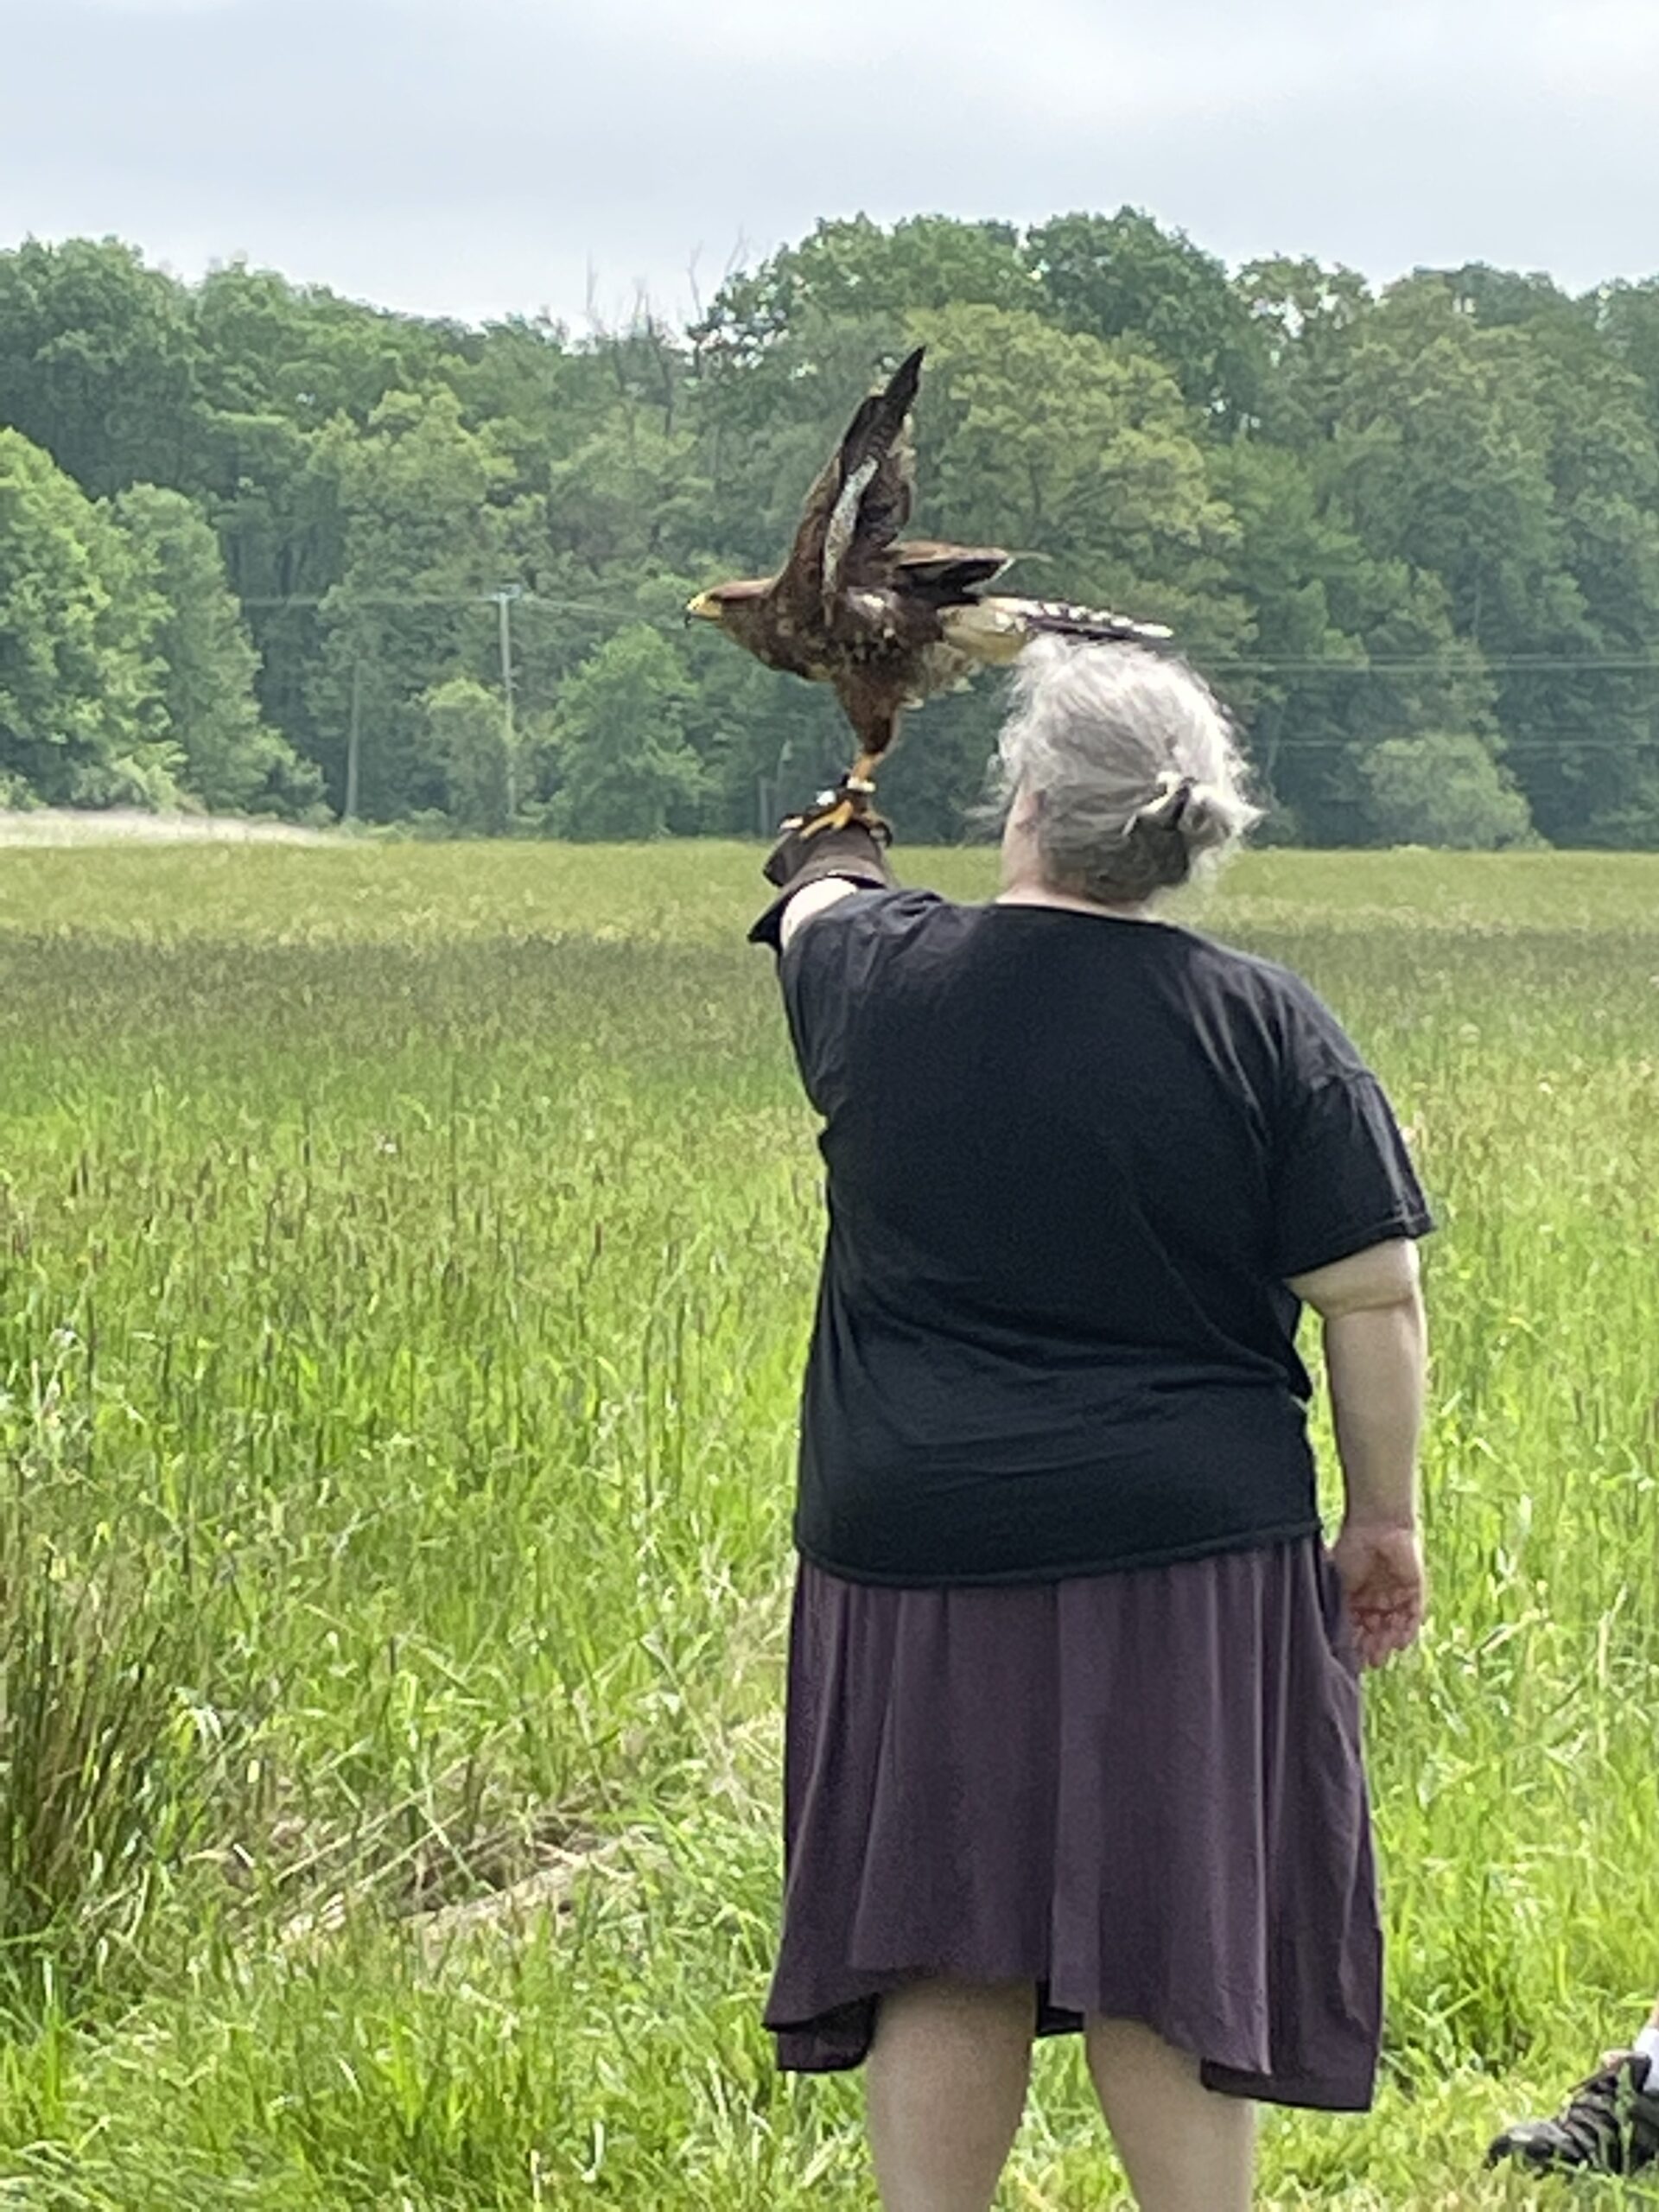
(888, 623)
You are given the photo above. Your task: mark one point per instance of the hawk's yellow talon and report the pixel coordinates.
(838, 818)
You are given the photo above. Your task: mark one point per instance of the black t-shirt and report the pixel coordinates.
(1072, 1158)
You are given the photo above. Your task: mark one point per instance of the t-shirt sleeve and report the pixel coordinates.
(1343, 1178)
(829, 966)
(811, 970)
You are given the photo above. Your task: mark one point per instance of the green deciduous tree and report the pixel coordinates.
(631, 500)
(858, 271)
(1465, 451)
(99, 363)
(624, 767)
(269, 347)
(1084, 453)
(1350, 648)
(429, 532)
(467, 735)
(82, 721)
(206, 665)
(1123, 275)
(1369, 520)
(1444, 463)
(1626, 317)
(1304, 315)
(1442, 790)
(1587, 722)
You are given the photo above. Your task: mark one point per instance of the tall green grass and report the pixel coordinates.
(405, 1261)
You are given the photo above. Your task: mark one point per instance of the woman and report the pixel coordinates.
(1073, 1734)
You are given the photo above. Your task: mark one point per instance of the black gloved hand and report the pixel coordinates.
(840, 834)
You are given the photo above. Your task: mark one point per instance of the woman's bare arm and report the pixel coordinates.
(1375, 1356)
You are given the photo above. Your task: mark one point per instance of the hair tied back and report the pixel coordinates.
(1174, 796)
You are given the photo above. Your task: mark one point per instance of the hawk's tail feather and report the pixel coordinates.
(1059, 618)
(997, 630)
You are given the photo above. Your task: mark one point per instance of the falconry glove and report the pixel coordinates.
(839, 835)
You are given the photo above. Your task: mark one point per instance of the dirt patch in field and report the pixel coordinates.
(53, 825)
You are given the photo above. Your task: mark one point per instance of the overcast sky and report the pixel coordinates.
(476, 157)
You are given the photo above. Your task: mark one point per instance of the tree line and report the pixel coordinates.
(265, 548)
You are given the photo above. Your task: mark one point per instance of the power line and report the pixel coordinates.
(1507, 663)
(1447, 665)
(1565, 746)
(348, 602)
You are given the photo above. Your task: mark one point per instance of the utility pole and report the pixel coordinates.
(354, 742)
(504, 599)
(771, 792)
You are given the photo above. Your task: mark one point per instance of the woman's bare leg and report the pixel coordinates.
(946, 2085)
(1185, 2149)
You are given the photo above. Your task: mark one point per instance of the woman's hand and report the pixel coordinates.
(1385, 1585)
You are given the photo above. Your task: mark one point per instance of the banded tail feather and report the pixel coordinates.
(998, 629)
(1059, 617)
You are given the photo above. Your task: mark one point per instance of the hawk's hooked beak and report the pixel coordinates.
(702, 608)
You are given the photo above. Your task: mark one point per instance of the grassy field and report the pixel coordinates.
(406, 1260)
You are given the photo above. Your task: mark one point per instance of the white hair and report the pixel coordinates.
(1130, 766)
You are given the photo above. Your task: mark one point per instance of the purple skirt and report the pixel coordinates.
(1141, 1792)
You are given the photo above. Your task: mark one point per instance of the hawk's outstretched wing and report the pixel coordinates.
(945, 573)
(860, 502)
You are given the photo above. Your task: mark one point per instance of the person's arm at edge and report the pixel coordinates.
(1375, 1351)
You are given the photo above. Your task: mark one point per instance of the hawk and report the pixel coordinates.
(888, 623)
